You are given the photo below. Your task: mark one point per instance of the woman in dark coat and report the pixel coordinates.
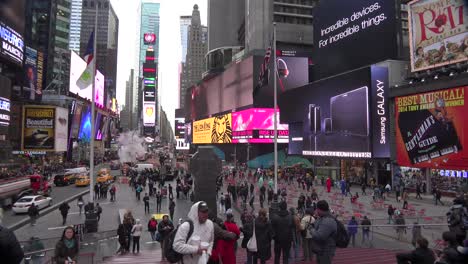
(263, 233)
(66, 249)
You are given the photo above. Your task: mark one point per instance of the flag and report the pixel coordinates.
(86, 76)
(264, 66)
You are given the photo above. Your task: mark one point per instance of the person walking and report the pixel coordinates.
(165, 227)
(64, 208)
(96, 191)
(283, 228)
(67, 248)
(307, 224)
(158, 201)
(227, 202)
(122, 233)
(400, 225)
(80, 203)
(323, 234)
(172, 206)
(128, 223)
(227, 247)
(421, 255)
(112, 191)
(363, 187)
(390, 212)
(438, 196)
(33, 213)
(264, 236)
(352, 230)
(405, 198)
(138, 191)
(416, 234)
(146, 202)
(365, 223)
(418, 191)
(329, 184)
(170, 192)
(203, 231)
(136, 233)
(297, 239)
(98, 211)
(153, 227)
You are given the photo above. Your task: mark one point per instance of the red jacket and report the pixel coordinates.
(226, 248)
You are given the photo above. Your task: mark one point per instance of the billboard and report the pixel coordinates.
(343, 116)
(149, 114)
(84, 133)
(77, 66)
(179, 127)
(39, 128)
(438, 33)
(61, 129)
(431, 129)
(11, 44)
(256, 125)
(149, 38)
(213, 130)
(77, 109)
(33, 67)
(352, 34)
(5, 115)
(295, 138)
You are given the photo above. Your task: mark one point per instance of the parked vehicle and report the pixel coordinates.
(61, 180)
(142, 166)
(23, 203)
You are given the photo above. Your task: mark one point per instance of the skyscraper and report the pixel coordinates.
(107, 39)
(47, 30)
(197, 47)
(149, 25)
(184, 27)
(75, 25)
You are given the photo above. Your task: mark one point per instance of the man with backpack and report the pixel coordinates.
(324, 234)
(187, 240)
(283, 227)
(307, 224)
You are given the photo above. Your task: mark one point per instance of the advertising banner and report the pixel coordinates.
(77, 66)
(149, 114)
(181, 144)
(214, 130)
(75, 126)
(39, 128)
(85, 125)
(352, 34)
(438, 33)
(11, 44)
(431, 129)
(179, 127)
(61, 129)
(149, 38)
(32, 84)
(344, 116)
(256, 125)
(5, 105)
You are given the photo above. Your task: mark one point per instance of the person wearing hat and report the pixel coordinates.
(307, 224)
(323, 234)
(165, 227)
(283, 228)
(226, 247)
(203, 232)
(137, 229)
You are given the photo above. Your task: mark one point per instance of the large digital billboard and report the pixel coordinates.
(149, 114)
(351, 34)
(256, 125)
(213, 130)
(438, 33)
(33, 66)
(85, 125)
(431, 129)
(77, 109)
(343, 116)
(11, 44)
(77, 66)
(39, 128)
(5, 115)
(61, 129)
(179, 127)
(149, 38)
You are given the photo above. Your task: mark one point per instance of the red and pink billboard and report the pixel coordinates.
(256, 125)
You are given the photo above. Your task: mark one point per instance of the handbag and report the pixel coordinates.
(158, 237)
(252, 244)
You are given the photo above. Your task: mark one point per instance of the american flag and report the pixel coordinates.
(264, 66)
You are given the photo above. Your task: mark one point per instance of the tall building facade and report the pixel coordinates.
(197, 47)
(128, 117)
(185, 22)
(107, 39)
(75, 25)
(47, 28)
(225, 19)
(149, 44)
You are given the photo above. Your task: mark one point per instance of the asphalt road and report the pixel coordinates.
(58, 195)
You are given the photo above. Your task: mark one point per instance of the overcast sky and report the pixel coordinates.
(169, 46)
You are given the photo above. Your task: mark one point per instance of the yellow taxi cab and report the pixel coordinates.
(104, 176)
(82, 180)
(70, 177)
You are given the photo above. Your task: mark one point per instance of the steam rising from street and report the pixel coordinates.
(130, 145)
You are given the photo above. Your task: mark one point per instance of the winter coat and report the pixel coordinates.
(263, 234)
(136, 230)
(450, 255)
(62, 252)
(417, 256)
(64, 209)
(205, 231)
(10, 249)
(165, 228)
(352, 227)
(226, 247)
(155, 227)
(283, 227)
(307, 223)
(324, 235)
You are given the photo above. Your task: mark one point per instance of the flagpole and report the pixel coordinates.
(93, 108)
(275, 120)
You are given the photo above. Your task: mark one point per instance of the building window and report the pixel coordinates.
(85, 3)
(106, 4)
(91, 3)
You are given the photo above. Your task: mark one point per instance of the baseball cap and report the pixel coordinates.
(203, 207)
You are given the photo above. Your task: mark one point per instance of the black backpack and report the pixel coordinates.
(341, 237)
(171, 255)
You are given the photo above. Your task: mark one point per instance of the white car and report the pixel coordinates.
(23, 203)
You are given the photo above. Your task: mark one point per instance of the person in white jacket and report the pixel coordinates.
(203, 231)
